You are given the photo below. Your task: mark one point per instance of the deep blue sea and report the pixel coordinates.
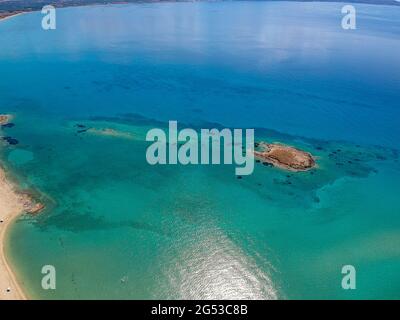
(116, 227)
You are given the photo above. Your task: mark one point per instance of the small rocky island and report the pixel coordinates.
(284, 157)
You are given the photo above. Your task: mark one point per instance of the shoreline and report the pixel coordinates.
(11, 207)
(16, 13)
(13, 15)
(13, 204)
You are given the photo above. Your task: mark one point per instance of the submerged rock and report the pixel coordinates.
(30, 205)
(8, 125)
(36, 208)
(10, 140)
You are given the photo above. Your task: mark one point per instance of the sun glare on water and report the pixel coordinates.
(215, 268)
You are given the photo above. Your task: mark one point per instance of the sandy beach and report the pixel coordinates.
(11, 206)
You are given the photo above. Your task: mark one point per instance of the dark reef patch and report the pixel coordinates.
(8, 125)
(335, 159)
(267, 164)
(70, 221)
(10, 140)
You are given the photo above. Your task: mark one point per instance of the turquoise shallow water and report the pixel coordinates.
(116, 227)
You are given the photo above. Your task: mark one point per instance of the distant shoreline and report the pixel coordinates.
(12, 15)
(9, 14)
